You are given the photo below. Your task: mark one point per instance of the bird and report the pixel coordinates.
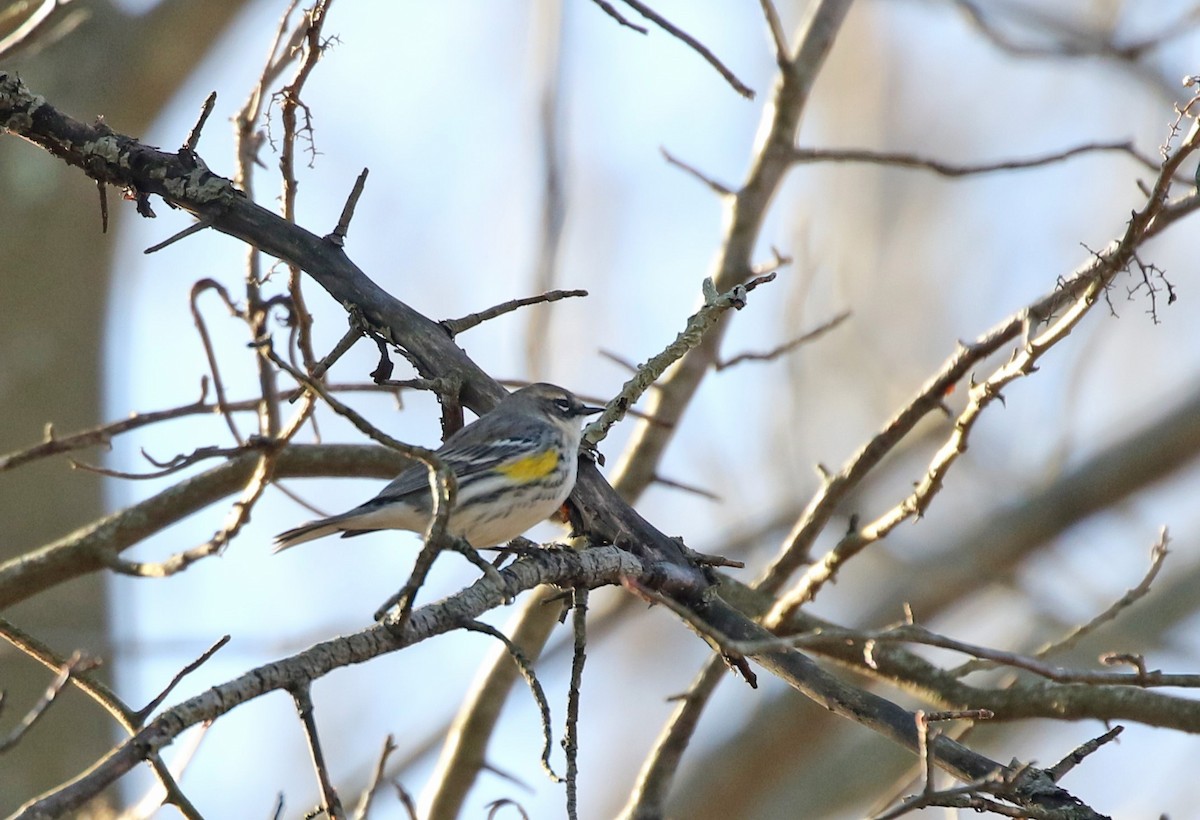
(515, 466)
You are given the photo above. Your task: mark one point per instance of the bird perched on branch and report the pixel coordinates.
(515, 466)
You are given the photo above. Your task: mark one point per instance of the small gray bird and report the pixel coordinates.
(515, 466)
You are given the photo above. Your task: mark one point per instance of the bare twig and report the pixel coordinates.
(331, 804)
(193, 138)
(338, 237)
(718, 188)
(1158, 554)
(1059, 770)
(83, 679)
(775, 27)
(914, 633)
(141, 714)
(786, 347)
(364, 804)
(195, 227)
(442, 484)
(570, 743)
(457, 326)
(102, 192)
(946, 169)
(1068, 303)
(649, 795)
(687, 488)
(616, 15)
(698, 324)
(535, 687)
(599, 565)
(741, 235)
(694, 44)
(201, 328)
(77, 662)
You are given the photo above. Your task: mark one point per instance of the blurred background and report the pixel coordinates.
(443, 103)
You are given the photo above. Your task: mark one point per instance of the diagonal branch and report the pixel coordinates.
(122, 161)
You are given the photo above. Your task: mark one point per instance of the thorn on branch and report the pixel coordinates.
(102, 190)
(187, 152)
(195, 227)
(338, 237)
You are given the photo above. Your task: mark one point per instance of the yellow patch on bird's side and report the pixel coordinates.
(531, 468)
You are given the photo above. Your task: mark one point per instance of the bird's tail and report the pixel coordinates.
(307, 532)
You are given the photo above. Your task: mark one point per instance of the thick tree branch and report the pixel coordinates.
(122, 161)
(602, 565)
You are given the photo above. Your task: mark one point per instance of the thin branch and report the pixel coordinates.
(946, 169)
(1070, 301)
(201, 328)
(649, 795)
(102, 192)
(193, 138)
(718, 188)
(775, 27)
(83, 680)
(338, 237)
(457, 326)
(1158, 554)
(102, 435)
(368, 795)
(915, 633)
(698, 325)
(579, 607)
(141, 714)
(616, 15)
(741, 235)
(599, 565)
(786, 347)
(694, 44)
(331, 804)
(1060, 769)
(442, 483)
(239, 514)
(525, 667)
(687, 488)
(195, 227)
(1074, 42)
(78, 662)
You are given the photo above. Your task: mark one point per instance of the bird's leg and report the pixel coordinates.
(462, 546)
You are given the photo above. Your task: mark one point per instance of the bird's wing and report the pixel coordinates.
(466, 460)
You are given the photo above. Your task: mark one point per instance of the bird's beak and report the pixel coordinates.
(589, 410)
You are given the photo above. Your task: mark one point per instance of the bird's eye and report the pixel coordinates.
(563, 405)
